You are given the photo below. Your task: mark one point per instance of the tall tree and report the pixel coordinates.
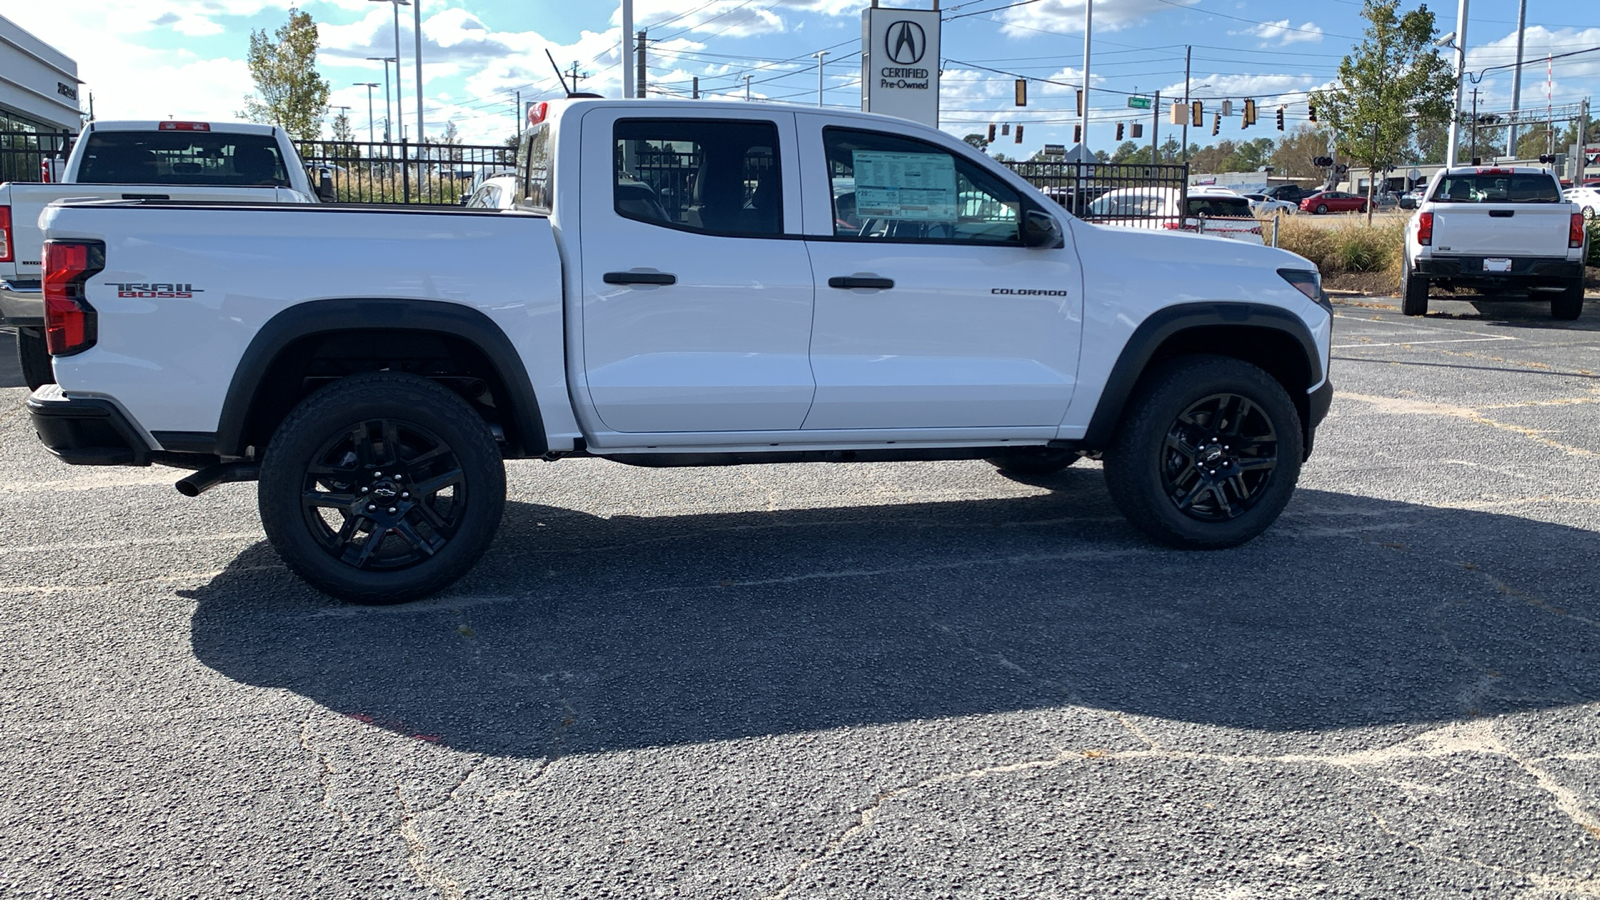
(341, 127)
(1295, 151)
(1390, 84)
(289, 91)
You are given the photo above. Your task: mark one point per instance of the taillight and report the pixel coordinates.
(1575, 232)
(70, 323)
(5, 234)
(44, 170)
(1425, 229)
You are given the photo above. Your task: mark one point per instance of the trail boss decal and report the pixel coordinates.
(155, 290)
(1027, 292)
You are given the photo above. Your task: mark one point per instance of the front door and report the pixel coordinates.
(930, 313)
(697, 294)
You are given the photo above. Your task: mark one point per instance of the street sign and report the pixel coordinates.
(1138, 102)
(1055, 150)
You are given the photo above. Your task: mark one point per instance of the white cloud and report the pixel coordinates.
(1066, 16)
(1281, 33)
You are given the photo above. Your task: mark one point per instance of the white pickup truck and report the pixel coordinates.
(1496, 230)
(680, 283)
(136, 161)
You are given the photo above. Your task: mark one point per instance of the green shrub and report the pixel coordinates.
(1594, 241)
(1344, 248)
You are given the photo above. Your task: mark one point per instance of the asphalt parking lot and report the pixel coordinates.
(884, 680)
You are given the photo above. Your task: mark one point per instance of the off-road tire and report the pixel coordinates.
(1568, 304)
(1034, 461)
(1413, 294)
(1207, 453)
(326, 465)
(34, 358)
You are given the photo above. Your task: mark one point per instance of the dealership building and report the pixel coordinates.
(38, 85)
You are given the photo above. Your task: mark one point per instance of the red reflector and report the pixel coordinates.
(184, 126)
(1425, 229)
(70, 323)
(5, 234)
(1575, 232)
(537, 112)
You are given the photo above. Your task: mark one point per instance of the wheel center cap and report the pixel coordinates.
(1213, 455)
(385, 490)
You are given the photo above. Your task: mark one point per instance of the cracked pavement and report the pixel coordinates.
(863, 681)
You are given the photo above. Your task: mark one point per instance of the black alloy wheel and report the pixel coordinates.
(1207, 454)
(382, 488)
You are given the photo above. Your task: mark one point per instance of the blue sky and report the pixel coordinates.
(185, 58)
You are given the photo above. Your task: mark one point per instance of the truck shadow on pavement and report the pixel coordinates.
(578, 634)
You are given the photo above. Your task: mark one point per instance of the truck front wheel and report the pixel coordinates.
(381, 488)
(34, 359)
(1207, 455)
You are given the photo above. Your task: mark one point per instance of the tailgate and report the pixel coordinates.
(1502, 229)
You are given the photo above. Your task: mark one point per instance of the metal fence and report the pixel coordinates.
(23, 153)
(403, 172)
(1106, 193)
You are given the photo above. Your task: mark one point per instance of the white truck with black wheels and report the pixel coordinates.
(1497, 230)
(679, 284)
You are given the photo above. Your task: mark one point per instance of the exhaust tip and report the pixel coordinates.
(188, 488)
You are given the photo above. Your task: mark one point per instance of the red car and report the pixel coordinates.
(1333, 201)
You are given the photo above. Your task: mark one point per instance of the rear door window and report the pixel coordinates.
(705, 175)
(182, 157)
(1489, 187)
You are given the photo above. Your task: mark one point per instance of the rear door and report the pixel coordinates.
(930, 314)
(696, 289)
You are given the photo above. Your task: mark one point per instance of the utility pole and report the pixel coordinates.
(696, 91)
(1516, 80)
(516, 116)
(627, 60)
(1186, 51)
(1088, 23)
(576, 75)
(642, 75)
(1461, 71)
(747, 87)
(819, 55)
(369, 85)
(1473, 150)
(416, 19)
(1155, 129)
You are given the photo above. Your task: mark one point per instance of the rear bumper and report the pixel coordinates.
(1526, 271)
(86, 431)
(22, 303)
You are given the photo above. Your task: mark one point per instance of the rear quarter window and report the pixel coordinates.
(1480, 187)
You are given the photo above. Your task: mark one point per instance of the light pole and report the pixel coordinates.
(819, 55)
(416, 33)
(369, 85)
(1460, 35)
(398, 93)
(388, 114)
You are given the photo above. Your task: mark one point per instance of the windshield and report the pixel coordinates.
(1475, 187)
(1219, 207)
(182, 157)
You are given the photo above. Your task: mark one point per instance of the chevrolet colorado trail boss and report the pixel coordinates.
(679, 284)
(1496, 229)
(136, 160)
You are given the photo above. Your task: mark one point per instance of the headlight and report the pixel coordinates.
(1308, 282)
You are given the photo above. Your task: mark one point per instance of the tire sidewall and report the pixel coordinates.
(1133, 462)
(336, 408)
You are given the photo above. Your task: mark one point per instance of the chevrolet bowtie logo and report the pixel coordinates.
(905, 42)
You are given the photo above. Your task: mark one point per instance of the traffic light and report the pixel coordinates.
(1080, 102)
(1138, 130)
(1311, 111)
(1019, 134)
(1216, 124)
(1022, 92)
(1280, 118)
(1119, 131)
(1180, 114)
(1249, 113)
(1197, 113)
(991, 132)
(1077, 134)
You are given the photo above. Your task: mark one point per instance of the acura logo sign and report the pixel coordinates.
(905, 42)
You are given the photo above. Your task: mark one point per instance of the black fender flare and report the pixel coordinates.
(1163, 325)
(357, 314)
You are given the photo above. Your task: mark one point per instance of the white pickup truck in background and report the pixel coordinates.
(136, 161)
(679, 283)
(1497, 230)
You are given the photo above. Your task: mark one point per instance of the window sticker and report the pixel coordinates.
(910, 186)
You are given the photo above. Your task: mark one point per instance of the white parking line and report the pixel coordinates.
(1476, 340)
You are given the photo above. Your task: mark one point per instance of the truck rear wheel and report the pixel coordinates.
(1207, 454)
(34, 359)
(382, 488)
(1413, 294)
(1568, 304)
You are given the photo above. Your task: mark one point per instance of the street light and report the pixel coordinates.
(398, 94)
(819, 55)
(369, 85)
(388, 114)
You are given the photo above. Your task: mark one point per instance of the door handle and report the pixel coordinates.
(639, 278)
(1501, 213)
(846, 282)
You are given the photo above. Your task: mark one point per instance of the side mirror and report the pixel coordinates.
(325, 191)
(1040, 229)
